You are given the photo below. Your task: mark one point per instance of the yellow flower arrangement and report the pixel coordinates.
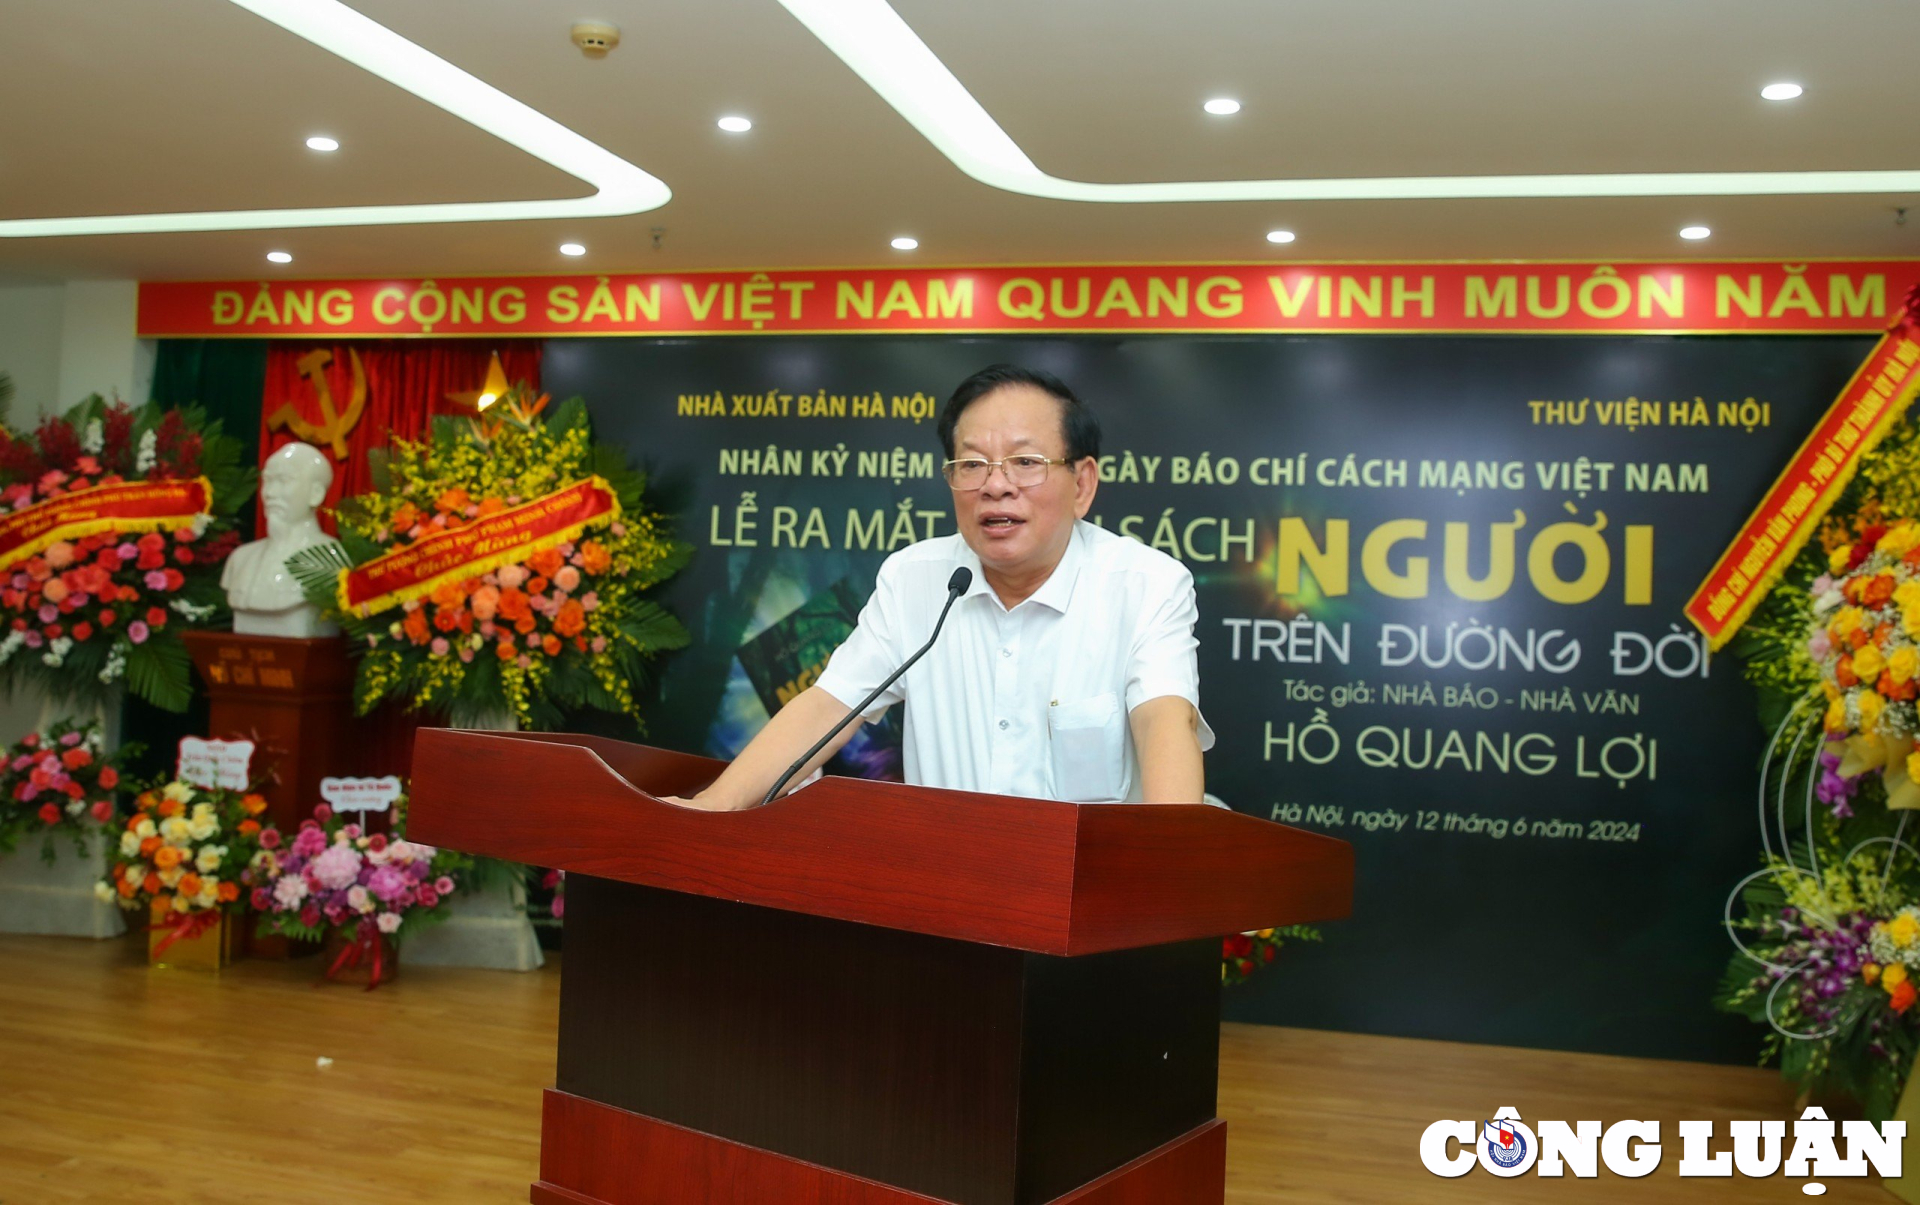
(563, 623)
(183, 849)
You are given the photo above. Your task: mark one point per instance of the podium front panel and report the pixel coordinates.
(972, 1074)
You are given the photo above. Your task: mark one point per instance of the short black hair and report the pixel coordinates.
(1077, 422)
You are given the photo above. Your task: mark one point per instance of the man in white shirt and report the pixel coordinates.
(1066, 671)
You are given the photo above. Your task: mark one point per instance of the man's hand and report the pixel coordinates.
(792, 729)
(700, 803)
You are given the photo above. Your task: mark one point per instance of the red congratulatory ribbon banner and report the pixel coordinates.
(1779, 527)
(505, 538)
(1835, 296)
(127, 507)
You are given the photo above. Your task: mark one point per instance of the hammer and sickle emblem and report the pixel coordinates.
(333, 427)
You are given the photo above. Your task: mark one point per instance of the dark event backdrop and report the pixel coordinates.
(1547, 814)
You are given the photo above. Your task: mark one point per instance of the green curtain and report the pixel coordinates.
(226, 377)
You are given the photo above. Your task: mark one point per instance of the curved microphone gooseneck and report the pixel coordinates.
(956, 586)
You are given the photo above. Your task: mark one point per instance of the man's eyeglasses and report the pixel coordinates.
(1022, 472)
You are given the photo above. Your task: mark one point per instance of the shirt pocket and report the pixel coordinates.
(1087, 743)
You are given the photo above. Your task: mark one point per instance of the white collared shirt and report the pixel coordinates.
(1030, 701)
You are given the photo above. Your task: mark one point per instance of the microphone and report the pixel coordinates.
(956, 586)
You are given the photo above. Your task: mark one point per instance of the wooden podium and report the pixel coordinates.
(874, 994)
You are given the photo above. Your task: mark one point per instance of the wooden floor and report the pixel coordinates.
(119, 1084)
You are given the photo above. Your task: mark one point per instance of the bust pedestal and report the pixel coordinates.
(293, 698)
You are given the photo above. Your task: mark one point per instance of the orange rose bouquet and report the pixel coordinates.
(1865, 643)
(181, 854)
(505, 568)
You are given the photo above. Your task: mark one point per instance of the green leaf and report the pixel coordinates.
(652, 627)
(318, 570)
(161, 672)
(359, 548)
(380, 469)
(675, 559)
(570, 415)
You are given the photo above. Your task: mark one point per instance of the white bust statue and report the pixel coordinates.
(266, 597)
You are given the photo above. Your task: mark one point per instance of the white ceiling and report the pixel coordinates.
(117, 106)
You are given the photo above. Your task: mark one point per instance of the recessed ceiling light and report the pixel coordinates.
(735, 125)
(1694, 232)
(1781, 91)
(903, 243)
(572, 249)
(320, 142)
(279, 257)
(1279, 236)
(1222, 106)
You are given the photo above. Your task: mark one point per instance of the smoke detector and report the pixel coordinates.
(595, 38)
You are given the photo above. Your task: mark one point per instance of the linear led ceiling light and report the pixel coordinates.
(882, 50)
(620, 187)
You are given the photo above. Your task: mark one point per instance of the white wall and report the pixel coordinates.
(98, 350)
(30, 320)
(60, 343)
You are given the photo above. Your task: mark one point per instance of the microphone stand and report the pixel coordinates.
(956, 586)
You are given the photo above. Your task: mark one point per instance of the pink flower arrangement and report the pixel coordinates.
(556, 882)
(62, 780)
(335, 875)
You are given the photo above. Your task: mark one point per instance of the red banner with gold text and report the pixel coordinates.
(505, 538)
(1710, 297)
(126, 507)
(1875, 399)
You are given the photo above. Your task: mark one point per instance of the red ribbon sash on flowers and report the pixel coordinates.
(126, 507)
(184, 926)
(369, 945)
(1875, 399)
(506, 538)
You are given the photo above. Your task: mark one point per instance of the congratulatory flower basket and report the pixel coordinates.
(1827, 931)
(357, 893)
(179, 861)
(502, 567)
(114, 523)
(60, 783)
